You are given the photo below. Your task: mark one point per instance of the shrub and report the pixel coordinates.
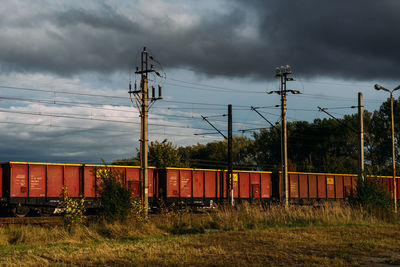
(116, 201)
(373, 197)
(138, 212)
(72, 209)
(115, 198)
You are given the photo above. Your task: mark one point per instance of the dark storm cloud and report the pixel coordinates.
(356, 39)
(346, 39)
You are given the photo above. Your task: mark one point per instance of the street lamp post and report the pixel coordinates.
(380, 87)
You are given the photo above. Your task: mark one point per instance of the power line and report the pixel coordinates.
(69, 103)
(104, 96)
(66, 103)
(50, 125)
(94, 119)
(79, 104)
(217, 89)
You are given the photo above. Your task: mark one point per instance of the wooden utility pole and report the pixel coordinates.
(393, 156)
(230, 158)
(361, 136)
(282, 73)
(144, 103)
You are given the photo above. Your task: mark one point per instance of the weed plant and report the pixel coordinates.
(73, 210)
(115, 198)
(116, 201)
(373, 197)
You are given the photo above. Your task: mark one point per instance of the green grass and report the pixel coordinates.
(329, 235)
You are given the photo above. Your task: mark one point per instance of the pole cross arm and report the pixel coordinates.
(274, 92)
(295, 92)
(144, 71)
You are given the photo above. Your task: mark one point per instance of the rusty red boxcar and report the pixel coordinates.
(203, 187)
(29, 186)
(307, 187)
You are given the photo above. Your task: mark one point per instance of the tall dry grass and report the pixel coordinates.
(249, 217)
(242, 217)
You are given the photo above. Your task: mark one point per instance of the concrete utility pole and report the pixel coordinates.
(144, 103)
(380, 87)
(361, 136)
(282, 72)
(230, 157)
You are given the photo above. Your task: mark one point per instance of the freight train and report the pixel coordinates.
(27, 187)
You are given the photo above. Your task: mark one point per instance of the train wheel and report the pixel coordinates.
(47, 211)
(20, 211)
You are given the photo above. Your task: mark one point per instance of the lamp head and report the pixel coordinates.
(378, 87)
(288, 70)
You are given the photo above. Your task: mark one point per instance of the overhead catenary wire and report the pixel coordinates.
(94, 119)
(52, 125)
(82, 103)
(105, 96)
(85, 105)
(327, 97)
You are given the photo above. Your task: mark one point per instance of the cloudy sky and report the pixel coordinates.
(65, 67)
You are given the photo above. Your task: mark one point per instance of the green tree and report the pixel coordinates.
(161, 154)
(165, 154)
(134, 161)
(215, 154)
(380, 147)
(325, 145)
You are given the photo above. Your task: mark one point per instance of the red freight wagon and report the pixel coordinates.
(310, 187)
(203, 187)
(37, 186)
(388, 182)
(27, 186)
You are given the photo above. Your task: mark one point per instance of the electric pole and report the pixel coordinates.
(230, 158)
(361, 136)
(229, 175)
(282, 72)
(143, 103)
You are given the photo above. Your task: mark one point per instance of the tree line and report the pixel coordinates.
(324, 145)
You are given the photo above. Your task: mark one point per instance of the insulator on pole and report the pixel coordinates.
(159, 92)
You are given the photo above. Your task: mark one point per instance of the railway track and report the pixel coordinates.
(44, 220)
(52, 220)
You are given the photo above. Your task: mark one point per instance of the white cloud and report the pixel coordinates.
(76, 132)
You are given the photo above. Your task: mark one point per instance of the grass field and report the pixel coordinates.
(329, 235)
